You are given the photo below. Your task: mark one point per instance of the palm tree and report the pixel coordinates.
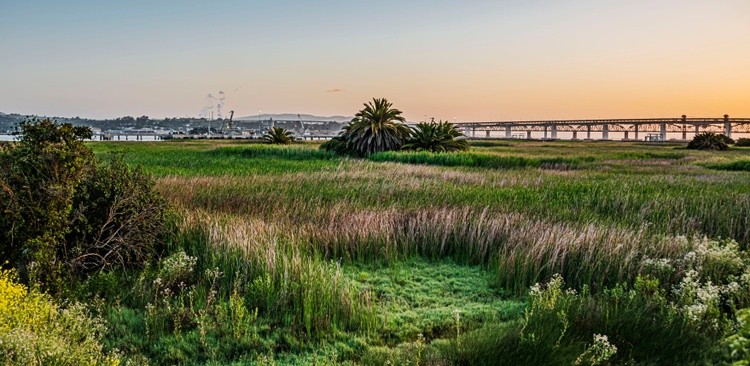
(709, 141)
(377, 127)
(278, 135)
(436, 137)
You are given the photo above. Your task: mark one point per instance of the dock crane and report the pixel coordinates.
(228, 124)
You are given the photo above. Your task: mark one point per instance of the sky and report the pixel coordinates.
(454, 60)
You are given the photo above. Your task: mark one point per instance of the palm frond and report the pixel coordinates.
(377, 127)
(436, 137)
(278, 135)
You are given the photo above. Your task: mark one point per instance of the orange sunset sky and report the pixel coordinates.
(478, 60)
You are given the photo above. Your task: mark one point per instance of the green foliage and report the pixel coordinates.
(736, 166)
(628, 324)
(727, 140)
(377, 127)
(435, 137)
(37, 186)
(287, 153)
(232, 158)
(321, 257)
(279, 136)
(423, 298)
(742, 142)
(118, 219)
(738, 343)
(648, 155)
(479, 160)
(63, 215)
(709, 141)
(34, 331)
(176, 270)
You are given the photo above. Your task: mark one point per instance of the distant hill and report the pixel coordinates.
(295, 117)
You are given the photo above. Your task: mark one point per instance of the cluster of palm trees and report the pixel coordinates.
(379, 127)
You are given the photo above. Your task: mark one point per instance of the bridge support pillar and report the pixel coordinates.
(588, 132)
(545, 131)
(554, 131)
(473, 132)
(605, 132)
(528, 135)
(575, 135)
(636, 131)
(626, 135)
(663, 132)
(507, 132)
(487, 135)
(727, 126)
(684, 132)
(697, 129)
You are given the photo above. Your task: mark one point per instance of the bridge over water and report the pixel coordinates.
(654, 128)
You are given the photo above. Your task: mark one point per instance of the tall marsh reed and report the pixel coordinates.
(275, 274)
(519, 249)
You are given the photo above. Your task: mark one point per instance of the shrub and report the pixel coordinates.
(727, 140)
(436, 137)
(598, 352)
(742, 142)
(176, 269)
(35, 331)
(118, 219)
(63, 215)
(641, 326)
(278, 135)
(738, 343)
(709, 141)
(37, 184)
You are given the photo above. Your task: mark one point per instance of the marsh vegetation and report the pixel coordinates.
(511, 253)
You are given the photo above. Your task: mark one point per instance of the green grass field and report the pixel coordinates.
(303, 257)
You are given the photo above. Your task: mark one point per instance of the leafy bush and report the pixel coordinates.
(118, 219)
(35, 331)
(436, 137)
(727, 140)
(709, 141)
(377, 127)
(176, 269)
(63, 215)
(37, 185)
(640, 324)
(278, 135)
(742, 142)
(738, 343)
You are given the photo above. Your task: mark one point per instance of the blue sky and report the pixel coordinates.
(479, 60)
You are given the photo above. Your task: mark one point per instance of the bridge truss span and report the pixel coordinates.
(653, 128)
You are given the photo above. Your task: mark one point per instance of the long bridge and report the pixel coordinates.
(655, 128)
